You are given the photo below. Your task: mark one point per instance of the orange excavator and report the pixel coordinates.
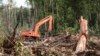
(35, 33)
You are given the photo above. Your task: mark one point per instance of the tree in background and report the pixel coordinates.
(65, 14)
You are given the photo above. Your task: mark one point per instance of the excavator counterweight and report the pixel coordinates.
(35, 33)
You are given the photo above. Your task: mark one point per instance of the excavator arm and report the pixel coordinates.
(35, 32)
(41, 22)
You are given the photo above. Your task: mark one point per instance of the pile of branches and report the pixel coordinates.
(65, 44)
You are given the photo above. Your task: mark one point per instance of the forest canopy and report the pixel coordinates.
(66, 14)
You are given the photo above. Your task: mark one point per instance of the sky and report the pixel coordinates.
(18, 3)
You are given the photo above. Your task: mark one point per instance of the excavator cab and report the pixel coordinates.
(35, 33)
(30, 34)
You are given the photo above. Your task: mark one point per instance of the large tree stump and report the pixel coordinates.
(81, 45)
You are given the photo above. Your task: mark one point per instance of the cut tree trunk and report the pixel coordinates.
(81, 45)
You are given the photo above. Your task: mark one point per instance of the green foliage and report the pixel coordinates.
(18, 48)
(65, 14)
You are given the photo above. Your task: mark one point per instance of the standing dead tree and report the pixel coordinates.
(81, 45)
(8, 43)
